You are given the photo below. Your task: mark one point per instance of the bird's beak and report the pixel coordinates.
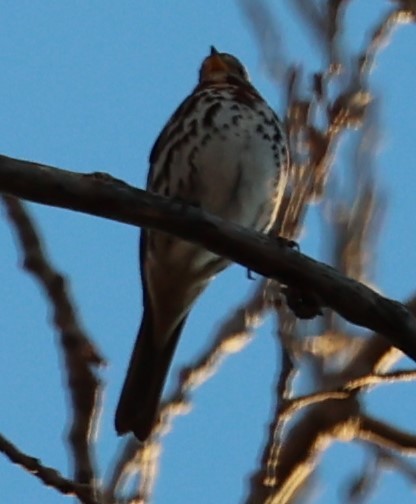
(215, 63)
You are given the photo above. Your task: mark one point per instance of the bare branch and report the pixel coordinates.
(377, 379)
(80, 353)
(295, 458)
(50, 477)
(118, 201)
(386, 436)
(261, 20)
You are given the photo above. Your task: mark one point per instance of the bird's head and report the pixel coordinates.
(217, 67)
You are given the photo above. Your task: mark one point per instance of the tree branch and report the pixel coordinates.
(386, 436)
(103, 196)
(80, 354)
(50, 477)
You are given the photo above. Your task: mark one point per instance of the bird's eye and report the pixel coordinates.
(241, 71)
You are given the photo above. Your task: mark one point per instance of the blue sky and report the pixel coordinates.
(87, 86)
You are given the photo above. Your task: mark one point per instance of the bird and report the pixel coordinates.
(225, 151)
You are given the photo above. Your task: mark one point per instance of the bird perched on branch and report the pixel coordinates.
(223, 150)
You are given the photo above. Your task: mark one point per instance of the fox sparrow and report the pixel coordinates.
(223, 150)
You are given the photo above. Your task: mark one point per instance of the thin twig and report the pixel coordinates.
(50, 477)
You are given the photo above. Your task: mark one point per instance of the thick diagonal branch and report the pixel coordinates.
(100, 195)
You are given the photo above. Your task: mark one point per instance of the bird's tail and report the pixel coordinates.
(146, 375)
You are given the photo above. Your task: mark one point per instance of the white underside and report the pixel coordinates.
(236, 171)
